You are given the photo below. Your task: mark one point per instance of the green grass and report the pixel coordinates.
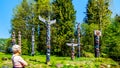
(62, 62)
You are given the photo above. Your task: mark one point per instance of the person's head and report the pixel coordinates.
(16, 49)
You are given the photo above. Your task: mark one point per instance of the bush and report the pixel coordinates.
(25, 47)
(88, 54)
(8, 46)
(104, 55)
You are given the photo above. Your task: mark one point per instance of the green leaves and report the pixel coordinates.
(22, 21)
(65, 24)
(26, 15)
(112, 39)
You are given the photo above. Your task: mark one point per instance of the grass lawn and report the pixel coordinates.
(60, 62)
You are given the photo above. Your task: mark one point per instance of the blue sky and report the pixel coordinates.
(7, 7)
(6, 12)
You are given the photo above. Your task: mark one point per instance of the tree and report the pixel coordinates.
(2, 44)
(21, 22)
(112, 39)
(42, 8)
(87, 37)
(98, 13)
(26, 16)
(98, 18)
(64, 27)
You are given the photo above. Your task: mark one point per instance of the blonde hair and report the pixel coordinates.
(16, 49)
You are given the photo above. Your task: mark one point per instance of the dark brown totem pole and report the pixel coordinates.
(13, 38)
(97, 35)
(72, 45)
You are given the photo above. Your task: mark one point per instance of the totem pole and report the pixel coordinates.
(13, 38)
(72, 48)
(33, 40)
(78, 33)
(48, 24)
(38, 30)
(97, 34)
(19, 38)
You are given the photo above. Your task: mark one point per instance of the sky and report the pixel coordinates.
(7, 6)
(6, 12)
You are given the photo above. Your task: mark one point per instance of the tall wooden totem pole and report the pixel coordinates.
(13, 38)
(78, 33)
(19, 38)
(48, 24)
(97, 35)
(33, 40)
(72, 45)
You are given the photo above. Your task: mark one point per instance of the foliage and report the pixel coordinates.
(5, 45)
(87, 36)
(98, 15)
(87, 54)
(97, 18)
(2, 44)
(64, 27)
(98, 12)
(26, 16)
(21, 21)
(60, 62)
(8, 46)
(42, 8)
(112, 39)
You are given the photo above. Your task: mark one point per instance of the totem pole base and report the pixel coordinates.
(32, 54)
(48, 63)
(72, 56)
(97, 52)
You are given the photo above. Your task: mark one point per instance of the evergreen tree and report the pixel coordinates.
(2, 44)
(26, 16)
(112, 39)
(97, 18)
(98, 13)
(21, 21)
(42, 8)
(64, 28)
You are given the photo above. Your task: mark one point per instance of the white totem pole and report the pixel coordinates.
(48, 23)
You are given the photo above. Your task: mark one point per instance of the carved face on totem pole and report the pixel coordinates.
(97, 33)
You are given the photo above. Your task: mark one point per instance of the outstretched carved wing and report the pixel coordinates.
(78, 25)
(52, 21)
(75, 44)
(42, 19)
(69, 44)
